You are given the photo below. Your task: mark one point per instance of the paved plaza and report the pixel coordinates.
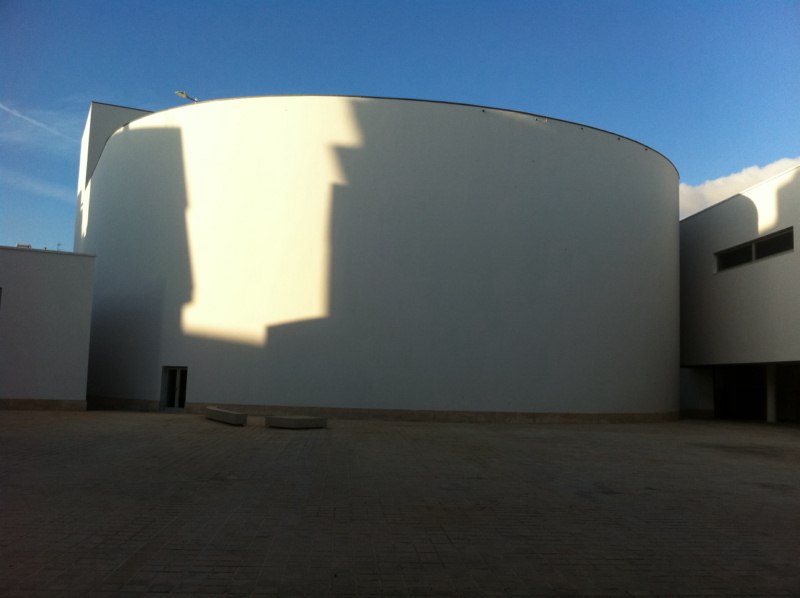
(134, 504)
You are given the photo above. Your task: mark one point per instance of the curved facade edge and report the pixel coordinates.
(443, 102)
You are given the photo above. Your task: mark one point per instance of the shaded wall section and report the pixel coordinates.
(487, 261)
(137, 230)
(101, 122)
(45, 312)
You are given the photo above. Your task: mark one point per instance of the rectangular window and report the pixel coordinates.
(734, 257)
(757, 249)
(777, 243)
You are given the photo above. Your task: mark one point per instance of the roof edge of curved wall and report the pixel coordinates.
(445, 102)
(120, 106)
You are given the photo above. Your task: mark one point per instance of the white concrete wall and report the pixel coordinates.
(102, 121)
(745, 314)
(45, 313)
(354, 252)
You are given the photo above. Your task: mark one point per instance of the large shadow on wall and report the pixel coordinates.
(394, 333)
(426, 284)
(699, 308)
(137, 228)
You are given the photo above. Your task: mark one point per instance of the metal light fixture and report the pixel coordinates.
(185, 96)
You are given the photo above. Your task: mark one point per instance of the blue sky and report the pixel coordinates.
(715, 86)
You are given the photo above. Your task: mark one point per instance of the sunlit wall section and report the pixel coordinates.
(261, 175)
(743, 309)
(384, 254)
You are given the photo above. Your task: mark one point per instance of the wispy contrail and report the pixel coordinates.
(35, 122)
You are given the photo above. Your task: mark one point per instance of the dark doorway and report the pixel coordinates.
(740, 392)
(787, 389)
(173, 387)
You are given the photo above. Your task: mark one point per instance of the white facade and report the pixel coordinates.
(361, 253)
(745, 314)
(45, 313)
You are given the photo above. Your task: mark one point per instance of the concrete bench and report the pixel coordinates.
(233, 418)
(296, 422)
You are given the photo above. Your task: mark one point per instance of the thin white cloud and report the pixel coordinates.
(35, 186)
(698, 197)
(34, 122)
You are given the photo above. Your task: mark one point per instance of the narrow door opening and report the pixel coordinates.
(173, 387)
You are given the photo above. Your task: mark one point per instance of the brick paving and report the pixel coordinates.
(139, 504)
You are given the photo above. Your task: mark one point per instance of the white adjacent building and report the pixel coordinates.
(45, 313)
(740, 292)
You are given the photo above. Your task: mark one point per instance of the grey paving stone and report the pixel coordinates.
(110, 503)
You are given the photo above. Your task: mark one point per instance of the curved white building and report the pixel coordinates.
(378, 254)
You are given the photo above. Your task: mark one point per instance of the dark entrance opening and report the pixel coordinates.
(787, 393)
(740, 392)
(173, 387)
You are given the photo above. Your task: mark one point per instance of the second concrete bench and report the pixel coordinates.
(234, 418)
(296, 422)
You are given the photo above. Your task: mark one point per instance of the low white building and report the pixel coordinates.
(740, 291)
(378, 256)
(45, 315)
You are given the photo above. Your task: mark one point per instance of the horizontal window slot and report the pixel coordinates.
(756, 249)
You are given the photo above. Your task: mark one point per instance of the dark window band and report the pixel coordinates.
(779, 242)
